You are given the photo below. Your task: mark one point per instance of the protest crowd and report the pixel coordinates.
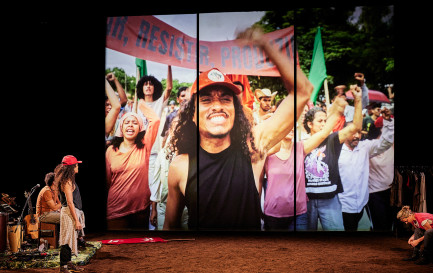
(272, 166)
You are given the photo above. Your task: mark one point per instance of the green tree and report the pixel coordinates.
(123, 78)
(176, 86)
(354, 40)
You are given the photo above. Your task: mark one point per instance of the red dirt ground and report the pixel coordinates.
(238, 252)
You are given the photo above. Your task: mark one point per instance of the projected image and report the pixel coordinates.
(246, 70)
(348, 177)
(150, 66)
(263, 121)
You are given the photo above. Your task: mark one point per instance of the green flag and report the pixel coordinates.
(318, 67)
(141, 65)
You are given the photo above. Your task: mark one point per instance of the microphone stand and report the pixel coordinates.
(21, 216)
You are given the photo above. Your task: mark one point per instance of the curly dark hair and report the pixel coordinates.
(156, 84)
(309, 116)
(241, 132)
(184, 139)
(63, 174)
(116, 141)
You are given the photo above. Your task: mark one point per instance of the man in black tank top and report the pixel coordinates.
(231, 154)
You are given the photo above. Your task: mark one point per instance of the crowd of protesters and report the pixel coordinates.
(284, 166)
(150, 177)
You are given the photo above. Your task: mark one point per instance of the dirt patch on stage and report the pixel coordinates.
(233, 252)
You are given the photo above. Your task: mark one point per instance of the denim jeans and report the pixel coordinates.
(286, 223)
(329, 213)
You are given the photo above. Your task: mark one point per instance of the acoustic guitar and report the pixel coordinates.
(32, 223)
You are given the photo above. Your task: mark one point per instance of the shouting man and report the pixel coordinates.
(231, 153)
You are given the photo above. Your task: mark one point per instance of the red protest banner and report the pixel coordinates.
(148, 38)
(235, 57)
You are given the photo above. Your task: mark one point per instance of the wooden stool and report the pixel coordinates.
(50, 232)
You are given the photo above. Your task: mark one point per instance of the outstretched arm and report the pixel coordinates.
(378, 146)
(271, 131)
(111, 118)
(122, 95)
(359, 77)
(334, 113)
(169, 87)
(356, 125)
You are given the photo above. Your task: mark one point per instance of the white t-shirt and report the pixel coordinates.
(157, 106)
(381, 171)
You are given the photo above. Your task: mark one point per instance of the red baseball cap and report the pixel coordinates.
(70, 160)
(213, 77)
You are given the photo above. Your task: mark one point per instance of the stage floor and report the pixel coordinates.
(252, 252)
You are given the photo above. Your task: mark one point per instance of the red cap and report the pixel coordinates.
(70, 160)
(214, 77)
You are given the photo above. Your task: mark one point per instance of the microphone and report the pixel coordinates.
(35, 187)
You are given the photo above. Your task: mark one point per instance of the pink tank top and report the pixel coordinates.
(279, 196)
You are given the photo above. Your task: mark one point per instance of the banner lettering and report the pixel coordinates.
(148, 38)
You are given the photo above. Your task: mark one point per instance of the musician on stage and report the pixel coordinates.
(48, 204)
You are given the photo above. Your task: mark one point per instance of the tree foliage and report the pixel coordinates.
(355, 39)
(123, 78)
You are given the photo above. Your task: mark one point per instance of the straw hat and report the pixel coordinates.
(264, 93)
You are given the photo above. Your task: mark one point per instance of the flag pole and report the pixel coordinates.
(327, 102)
(134, 107)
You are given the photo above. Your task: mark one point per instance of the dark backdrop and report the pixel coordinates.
(53, 99)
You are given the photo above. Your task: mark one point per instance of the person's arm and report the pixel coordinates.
(49, 198)
(169, 87)
(390, 93)
(153, 119)
(356, 125)
(274, 149)
(122, 95)
(426, 226)
(386, 138)
(411, 239)
(53, 206)
(154, 215)
(271, 131)
(175, 198)
(334, 113)
(67, 189)
(111, 118)
(359, 77)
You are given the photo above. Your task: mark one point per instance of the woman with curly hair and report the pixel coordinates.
(322, 175)
(71, 216)
(423, 223)
(231, 153)
(127, 170)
